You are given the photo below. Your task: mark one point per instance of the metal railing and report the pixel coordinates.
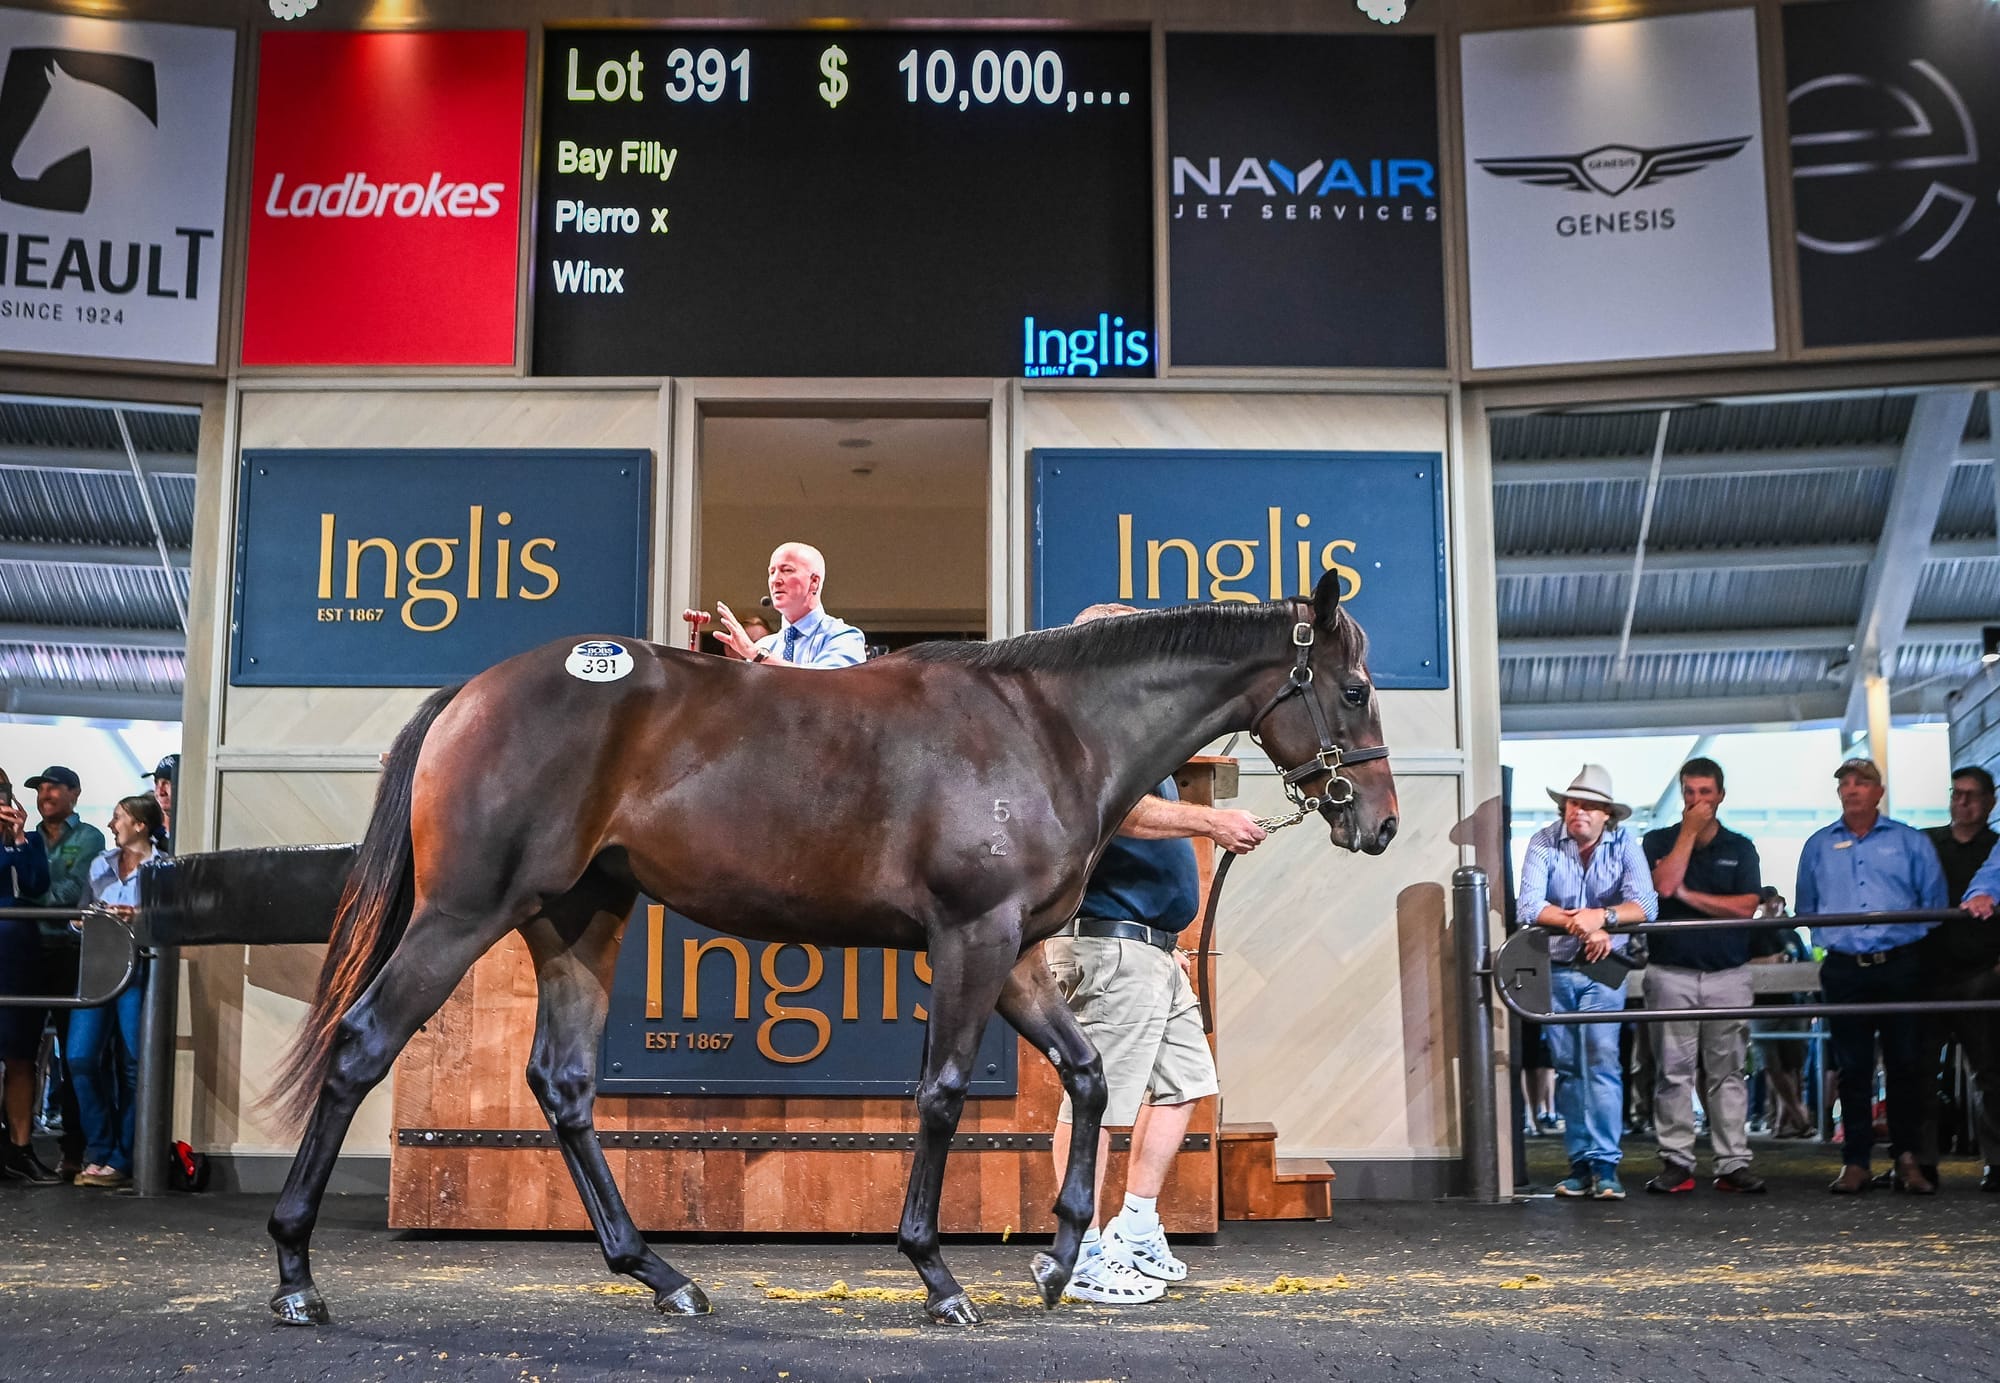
(1519, 972)
(109, 957)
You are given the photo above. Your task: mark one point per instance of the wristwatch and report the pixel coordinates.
(1610, 918)
(763, 655)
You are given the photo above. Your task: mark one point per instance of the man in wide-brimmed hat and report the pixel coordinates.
(1583, 874)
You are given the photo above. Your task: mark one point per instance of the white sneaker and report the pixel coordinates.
(1106, 1276)
(1147, 1249)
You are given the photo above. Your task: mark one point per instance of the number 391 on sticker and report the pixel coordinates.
(598, 660)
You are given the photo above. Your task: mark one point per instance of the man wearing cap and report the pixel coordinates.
(1867, 862)
(24, 872)
(811, 637)
(163, 789)
(71, 847)
(1582, 874)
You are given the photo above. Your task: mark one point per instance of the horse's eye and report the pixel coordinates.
(1356, 695)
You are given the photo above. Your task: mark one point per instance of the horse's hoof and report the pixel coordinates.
(1050, 1277)
(956, 1309)
(685, 1300)
(300, 1308)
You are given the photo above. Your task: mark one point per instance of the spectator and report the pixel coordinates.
(1702, 869)
(24, 873)
(1583, 874)
(1980, 894)
(164, 774)
(1782, 1058)
(811, 636)
(108, 1105)
(71, 847)
(1867, 862)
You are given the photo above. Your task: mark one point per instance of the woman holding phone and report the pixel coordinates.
(108, 1104)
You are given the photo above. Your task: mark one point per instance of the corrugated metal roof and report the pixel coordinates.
(82, 565)
(86, 597)
(1744, 506)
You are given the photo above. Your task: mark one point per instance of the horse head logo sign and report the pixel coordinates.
(63, 113)
(1612, 169)
(1899, 137)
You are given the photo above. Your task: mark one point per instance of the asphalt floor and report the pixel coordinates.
(1796, 1285)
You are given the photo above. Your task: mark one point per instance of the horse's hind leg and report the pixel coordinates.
(1033, 1004)
(967, 969)
(575, 946)
(436, 951)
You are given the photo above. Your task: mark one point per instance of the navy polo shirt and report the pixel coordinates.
(1727, 864)
(1149, 881)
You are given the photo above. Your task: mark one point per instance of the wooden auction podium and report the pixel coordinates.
(472, 1150)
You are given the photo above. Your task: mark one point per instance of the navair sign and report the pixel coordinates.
(384, 222)
(114, 161)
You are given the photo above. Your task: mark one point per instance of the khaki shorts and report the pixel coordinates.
(1140, 1012)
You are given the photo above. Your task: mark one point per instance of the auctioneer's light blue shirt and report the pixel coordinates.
(822, 641)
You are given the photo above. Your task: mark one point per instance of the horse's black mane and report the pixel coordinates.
(1227, 631)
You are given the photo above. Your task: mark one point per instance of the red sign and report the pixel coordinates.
(385, 199)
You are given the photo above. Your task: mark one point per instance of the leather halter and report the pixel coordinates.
(1331, 757)
(1329, 760)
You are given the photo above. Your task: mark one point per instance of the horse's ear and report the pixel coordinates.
(1326, 598)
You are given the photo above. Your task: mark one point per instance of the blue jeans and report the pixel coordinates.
(1590, 1087)
(107, 1104)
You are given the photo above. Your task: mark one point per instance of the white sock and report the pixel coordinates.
(1091, 1236)
(1141, 1211)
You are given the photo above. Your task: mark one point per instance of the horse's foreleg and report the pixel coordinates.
(575, 981)
(967, 969)
(1033, 1004)
(435, 954)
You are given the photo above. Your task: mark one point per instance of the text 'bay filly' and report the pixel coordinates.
(951, 798)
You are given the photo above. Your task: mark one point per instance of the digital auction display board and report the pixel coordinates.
(717, 202)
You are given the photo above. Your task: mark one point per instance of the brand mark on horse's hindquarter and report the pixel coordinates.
(997, 845)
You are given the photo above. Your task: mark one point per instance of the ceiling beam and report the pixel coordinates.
(1786, 639)
(89, 636)
(1923, 471)
(110, 460)
(1699, 464)
(91, 705)
(88, 555)
(1538, 564)
(1712, 715)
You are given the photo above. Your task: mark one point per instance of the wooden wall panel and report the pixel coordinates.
(1334, 1012)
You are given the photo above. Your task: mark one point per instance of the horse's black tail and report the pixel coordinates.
(374, 910)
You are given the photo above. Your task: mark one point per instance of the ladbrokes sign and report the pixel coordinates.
(114, 156)
(384, 221)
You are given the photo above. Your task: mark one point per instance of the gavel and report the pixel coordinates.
(696, 619)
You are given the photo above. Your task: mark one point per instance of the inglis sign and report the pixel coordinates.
(384, 223)
(114, 155)
(417, 568)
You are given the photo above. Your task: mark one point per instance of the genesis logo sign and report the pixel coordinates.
(1612, 170)
(55, 103)
(1898, 136)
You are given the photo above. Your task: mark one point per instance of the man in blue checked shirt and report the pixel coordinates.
(811, 637)
(1867, 862)
(1583, 874)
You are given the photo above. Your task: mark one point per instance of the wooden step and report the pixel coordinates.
(1257, 1185)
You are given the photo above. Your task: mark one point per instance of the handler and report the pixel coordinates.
(1127, 981)
(810, 636)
